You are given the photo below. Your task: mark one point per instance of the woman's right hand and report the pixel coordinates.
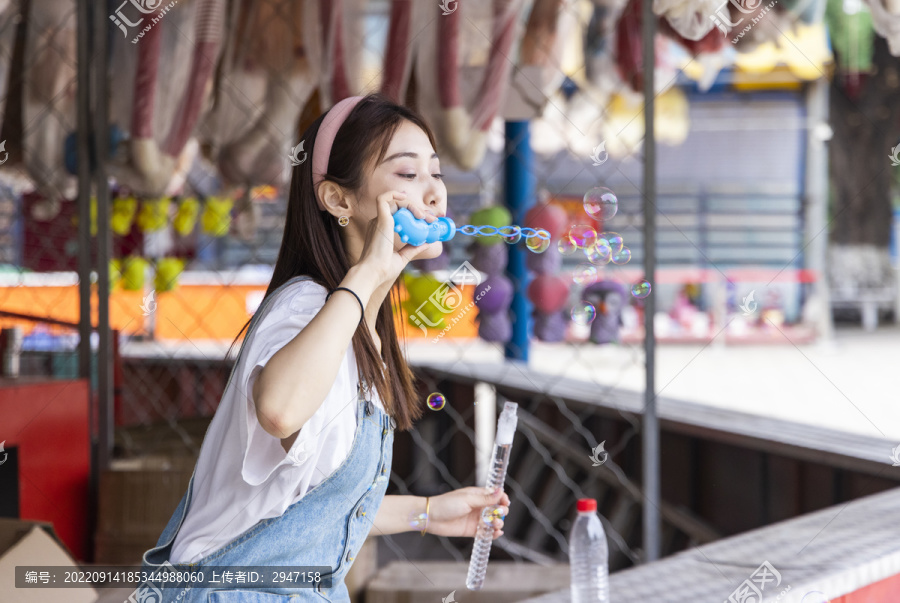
(378, 254)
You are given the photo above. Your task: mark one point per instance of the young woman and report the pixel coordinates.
(295, 463)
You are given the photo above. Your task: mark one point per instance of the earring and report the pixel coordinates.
(343, 220)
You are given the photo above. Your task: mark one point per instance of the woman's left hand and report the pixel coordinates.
(458, 513)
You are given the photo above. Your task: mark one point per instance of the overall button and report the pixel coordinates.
(370, 408)
(360, 512)
(349, 558)
(393, 423)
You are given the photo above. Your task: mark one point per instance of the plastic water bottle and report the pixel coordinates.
(588, 555)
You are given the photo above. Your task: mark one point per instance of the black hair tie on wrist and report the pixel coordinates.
(361, 307)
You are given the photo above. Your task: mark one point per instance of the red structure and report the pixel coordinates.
(46, 421)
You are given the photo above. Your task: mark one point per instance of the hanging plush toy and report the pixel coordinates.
(548, 292)
(629, 56)
(48, 101)
(134, 270)
(399, 51)
(886, 21)
(851, 36)
(573, 114)
(160, 84)
(448, 46)
(270, 68)
(690, 18)
(494, 295)
(167, 272)
(424, 304)
(608, 297)
(712, 41)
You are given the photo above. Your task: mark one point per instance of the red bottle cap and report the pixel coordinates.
(587, 504)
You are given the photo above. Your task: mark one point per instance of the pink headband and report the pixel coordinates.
(325, 139)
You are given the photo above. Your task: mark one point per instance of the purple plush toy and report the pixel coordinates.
(490, 259)
(550, 327)
(494, 294)
(544, 263)
(495, 327)
(608, 297)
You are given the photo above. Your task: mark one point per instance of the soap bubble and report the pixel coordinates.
(599, 254)
(417, 521)
(511, 234)
(583, 235)
(584, 313)
(615, 240)
(566, 246)
(585, 273)
(538, 242)
(490, 513)
(601, 203)
(641, 290)
(623, 257)
(436, 401)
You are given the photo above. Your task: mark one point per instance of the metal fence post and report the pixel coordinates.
(650, 439)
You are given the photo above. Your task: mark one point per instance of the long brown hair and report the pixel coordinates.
(312, 246)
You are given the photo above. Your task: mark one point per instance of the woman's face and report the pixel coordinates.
(411, 166)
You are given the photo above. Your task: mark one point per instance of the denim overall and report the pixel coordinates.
(326, 527)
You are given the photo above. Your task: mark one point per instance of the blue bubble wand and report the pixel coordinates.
(417, 232)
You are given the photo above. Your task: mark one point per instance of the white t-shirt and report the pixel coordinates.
(243, 474)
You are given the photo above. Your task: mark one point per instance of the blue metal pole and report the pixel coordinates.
(519, 191)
